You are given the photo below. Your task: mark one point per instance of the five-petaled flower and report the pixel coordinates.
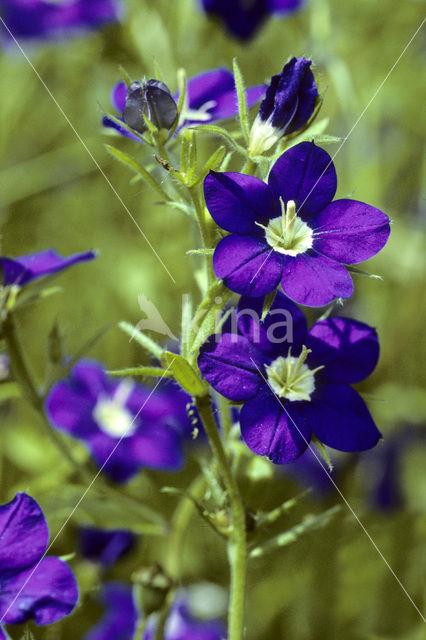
(296, 385)
(44, 19)
(242, 18)
(288, 104)
(125, 426)
(31, 586)
(24, 269)
(209, 96)
(289, 230)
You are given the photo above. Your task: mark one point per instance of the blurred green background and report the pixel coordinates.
(332, 584)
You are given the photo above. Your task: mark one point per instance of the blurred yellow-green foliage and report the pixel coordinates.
(332, 584)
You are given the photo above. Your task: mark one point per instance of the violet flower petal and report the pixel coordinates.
(315, 280)
(350, 231)
(19, 518)
(268, 428)
(348, 349)
(340, 419)
(236, 202)
(247, 265)
(306, 174)
(50, 593)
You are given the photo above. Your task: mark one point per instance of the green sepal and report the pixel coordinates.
(212, 164)
(184, 374)
(242, 101)
(200, 252)
(323, 452)
(55, 345)
(267, 304)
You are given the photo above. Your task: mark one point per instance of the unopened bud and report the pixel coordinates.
(152, 99)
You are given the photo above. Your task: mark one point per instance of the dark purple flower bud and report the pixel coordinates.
(288, 104)
(153, 100)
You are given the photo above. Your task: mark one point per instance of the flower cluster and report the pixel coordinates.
(43, 19)
(32, 586)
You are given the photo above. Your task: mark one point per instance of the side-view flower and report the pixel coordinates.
(100, 411)
(25, 269)
(44, 19)
(31, 586)
(294, 390)
(243, 18)
(210, 96)
(290, 231)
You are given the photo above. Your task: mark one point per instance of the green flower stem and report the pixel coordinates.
(237, 545)
(225, 416)
(25, 377)
(249, 167)
(204, 231)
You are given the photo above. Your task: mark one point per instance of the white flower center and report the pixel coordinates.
(111, 415)
(288, 233)
(291, 378)
(200, 115)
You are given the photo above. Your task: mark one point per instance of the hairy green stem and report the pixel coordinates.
(249, 167)
(237, 544)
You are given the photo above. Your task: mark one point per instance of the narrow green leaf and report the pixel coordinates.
(275, 514)
(242, 101)
(184, 374)
(141, 339)
(200, 252)
(211, 165)
(361, 272)
(287, 537)
(132, 164)
(212, 128)
(126, 77)
(156, 372)
(267, 304)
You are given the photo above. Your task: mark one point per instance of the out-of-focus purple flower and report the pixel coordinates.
(121, 616)
(31, 587)
(242, 18)
(182, 625)
(104, 546)
(24, 269)
(289, 230)
(289, 103)
(210, 96)
(102, 412)
(294, 383)
(44, 19)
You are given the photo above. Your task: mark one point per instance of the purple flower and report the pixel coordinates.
(121, 616)
(31, 586)
(103, 412)
(183, 625)
(289, 103)
(243, 18)
(210, 96)
(104, 546)
(289, 230)
(294, 383)
(25, 269)
(44, 19)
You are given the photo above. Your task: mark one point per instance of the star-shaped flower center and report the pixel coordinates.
(111, 414)
(291, 378)
(288, 234)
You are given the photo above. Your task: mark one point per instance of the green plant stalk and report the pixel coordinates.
(249, 168)
(237, 544)
(25, 377)
(204, 231)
